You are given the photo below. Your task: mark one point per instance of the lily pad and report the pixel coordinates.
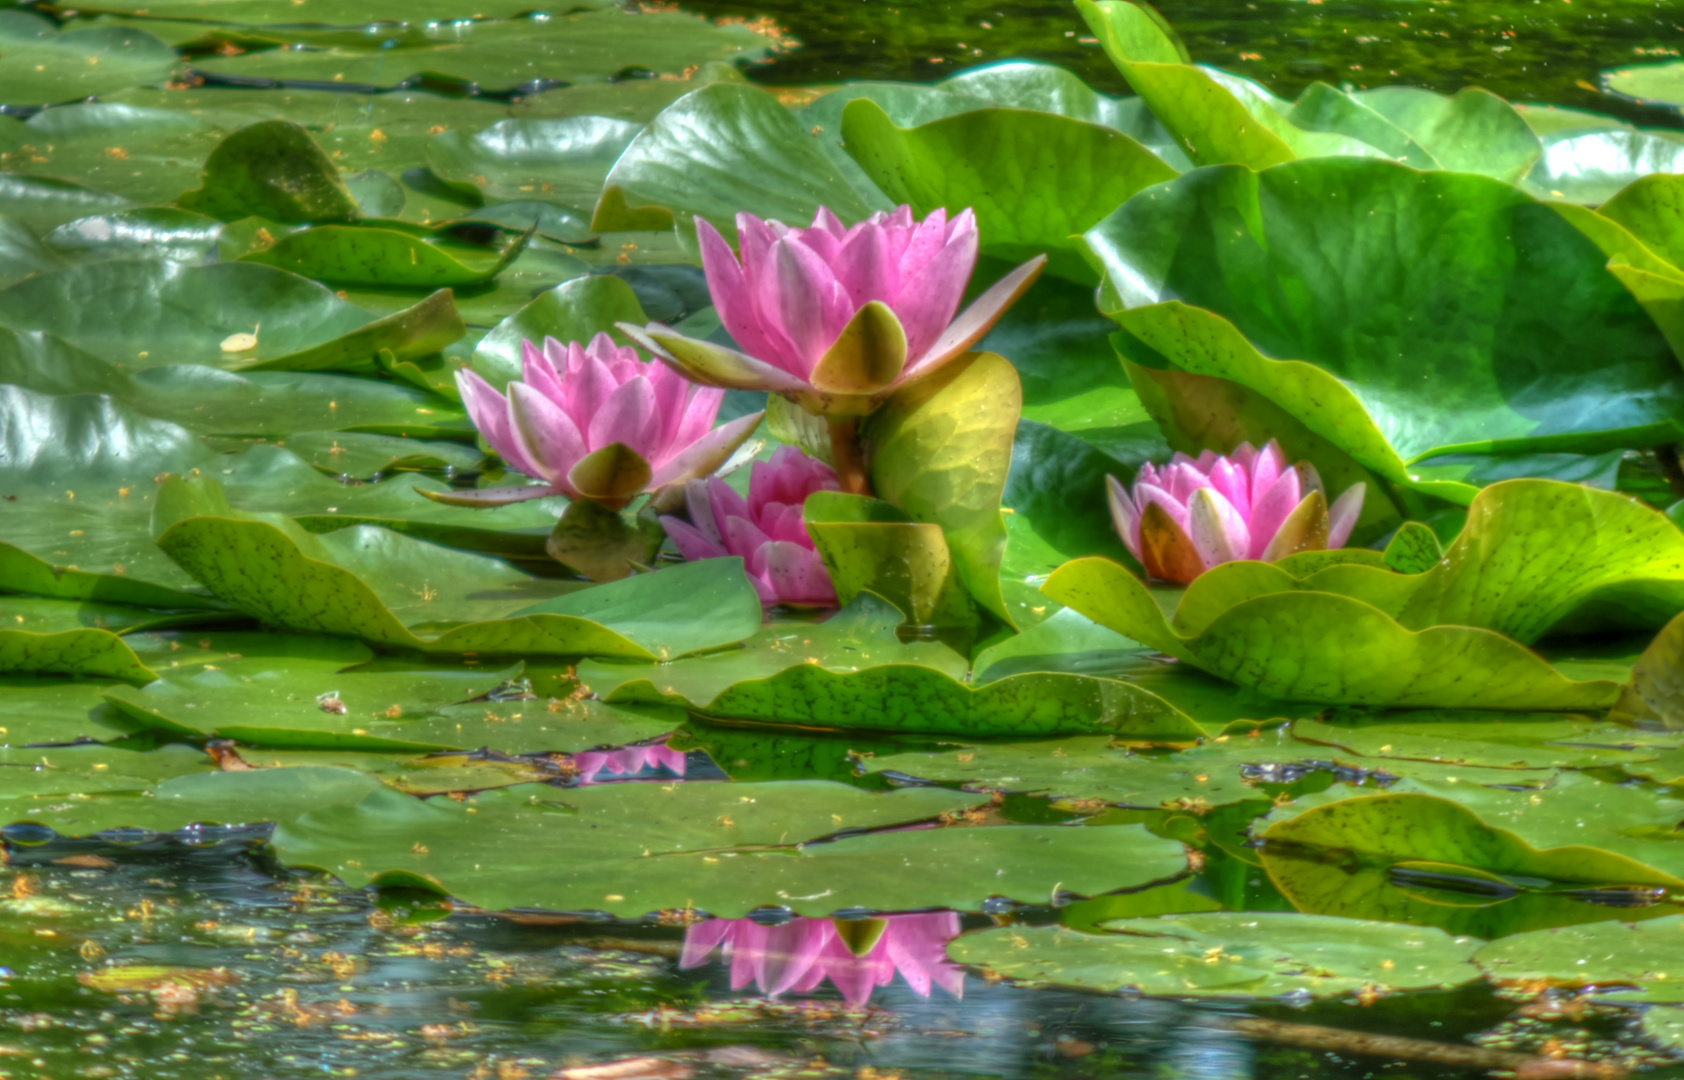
(1034, 180)
(1521, 388)
(45, 65)
(1486, 739)
(633, 850)
(370, 255)
(497, 56)
(1594, 166)
(53, 710)
(370, 583)
(724, 149)
(71, 652)
(1659, 84)
(153, 232)
(1627, 961)
(853, 672)
(551, 161)
(1251, 954)
(942, 450)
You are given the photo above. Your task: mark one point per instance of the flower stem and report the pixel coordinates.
(845, 456)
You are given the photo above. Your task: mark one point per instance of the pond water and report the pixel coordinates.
(157, 350)
(1525, 50)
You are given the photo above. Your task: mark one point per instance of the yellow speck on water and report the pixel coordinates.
(70, 495)
(77, 532)
(238, 343)
(613, 896)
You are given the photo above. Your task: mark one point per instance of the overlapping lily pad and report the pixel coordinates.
(852, 671)
(45, 65)
(721, 848)
(386, 588)
(1284, 309)
(1451, 637)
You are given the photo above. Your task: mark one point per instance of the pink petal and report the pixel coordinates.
(1234, 485)
(1218, 531)
(730, 292)
(690, 541)
(696, 413)
(706, 453)
(489, 411)
(1270, 512)
(701, 511)
(700, 939)
(1124, 515)
(1342, 515)
(807, 299)
(742, 536)
(930, 298)
(587, 387)
(795, 574)
(1265, 470)
(1151, 493)
(789, 952)
(1184, 479)
(672, 393)
(864, 270)
(978, 319)
(929, 237)
(629, 416)
(546, 434)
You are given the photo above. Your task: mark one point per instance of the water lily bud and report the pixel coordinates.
(767, 529)
(1190, 515)
(596, 422)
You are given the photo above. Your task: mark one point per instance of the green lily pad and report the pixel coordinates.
(93, 652)
(206, 798)
(385, 588)
(1251, 954)
(1573, 830)
(1092, 768)
(367, 255)
(1627, 961)
(45, 66)
(1485, 739)
(504, 55)
(54, 710)
(38, 777)
(552, 161)
(151, 232)
(868, 545)
(1656, 692)
(23, 252)
(1035, 180)
(118, 154)
(853, 672)
(633, 849)
(164, 312)
(1660, 84)
(46, 615)
(271, 169)
(1652, 209)
(576, 310)
(942, 450)
(341, 13)
(1473, 131)
(1521, 388)
(297, 697)
(725, 149)
(1593, 166)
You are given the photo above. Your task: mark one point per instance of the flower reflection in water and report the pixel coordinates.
(856, 955)
(602, 766)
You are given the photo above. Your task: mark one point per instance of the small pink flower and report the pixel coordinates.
(799, 955)
(597, 423)
(767, 530)
(836, 318)
(628, 761)
(1188, 516)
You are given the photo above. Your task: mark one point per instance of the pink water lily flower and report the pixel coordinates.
(856, 955)
(1188, 516)
(595, 422)
(628, 761)
(767, 529)
(833, 317)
